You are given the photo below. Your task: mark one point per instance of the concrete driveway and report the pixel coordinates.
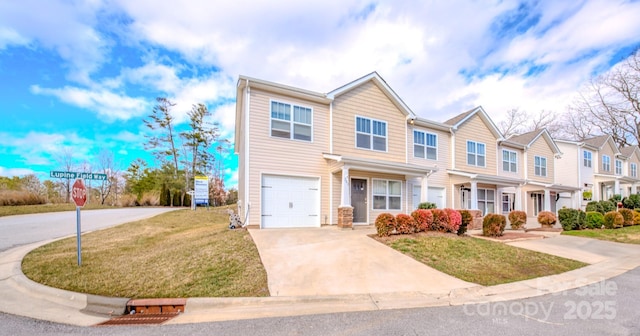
(331, 261)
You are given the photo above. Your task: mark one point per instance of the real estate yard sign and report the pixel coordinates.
(201, 190)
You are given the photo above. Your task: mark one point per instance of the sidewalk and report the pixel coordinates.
(21, 296)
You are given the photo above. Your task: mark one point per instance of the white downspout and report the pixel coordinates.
(247, 146)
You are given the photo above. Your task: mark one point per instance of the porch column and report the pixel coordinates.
(616, 188)
(474, 195)
(547, 200)
(518, 200)
(498, 200)
(424, 189)
(345, 191)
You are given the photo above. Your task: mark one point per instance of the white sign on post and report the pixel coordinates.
(201, 190)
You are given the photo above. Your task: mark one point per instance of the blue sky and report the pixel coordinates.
(79, 76)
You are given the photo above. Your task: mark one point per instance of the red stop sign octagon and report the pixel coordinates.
(79, 193)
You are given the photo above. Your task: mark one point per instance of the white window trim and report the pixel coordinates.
(476, 143)
(291, 122)
(486, 201)
(386, 195)
(509, 161)
(355, 134)
(586, 160)
(425, 133)
(540, 166)
(618, 167)
(634, 170)
(607, 163)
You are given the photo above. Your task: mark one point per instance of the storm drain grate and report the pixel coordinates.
(139, 319)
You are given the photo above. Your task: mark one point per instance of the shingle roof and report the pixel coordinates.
(526, 138)
(596, 141)
(628, 151)
(459, 117)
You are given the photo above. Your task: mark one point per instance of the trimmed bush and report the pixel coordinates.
(517, 219)
(571, 219)
(466, 218)
(608, 206)
(613, 220)
(493, 225)
(440, 220)
(405, 224)
(546, 218)
(455, 220)
(594, 206)
(385, 223)
(628, 203)
(593, 220)
(427, 205)
(423, 218)
(627, 215)
(635, 198)
(636, 218)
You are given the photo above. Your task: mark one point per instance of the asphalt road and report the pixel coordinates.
(25, 229)
(611, 307)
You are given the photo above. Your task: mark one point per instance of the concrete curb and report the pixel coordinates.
(21, 296)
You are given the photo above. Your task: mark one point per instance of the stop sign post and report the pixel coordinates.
(79, 196)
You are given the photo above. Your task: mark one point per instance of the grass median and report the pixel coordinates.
(11, 210)
(179, 254)
(627, 234)
(478, 260)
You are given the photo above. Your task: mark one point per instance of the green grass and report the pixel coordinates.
(178, 254)
(480, 261)
(627, 234)
(10, 210)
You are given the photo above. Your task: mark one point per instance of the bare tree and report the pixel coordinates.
(67, 163)
(610, 103)
(518, 121)
(107, 166)
(163, 139)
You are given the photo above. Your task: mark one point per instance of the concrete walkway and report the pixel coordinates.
(331, 261)
(21, 296)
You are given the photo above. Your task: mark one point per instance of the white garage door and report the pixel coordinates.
(290, 201)
(436, 195)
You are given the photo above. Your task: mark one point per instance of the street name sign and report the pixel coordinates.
(75, 175)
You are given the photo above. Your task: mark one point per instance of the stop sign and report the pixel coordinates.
(79, 192)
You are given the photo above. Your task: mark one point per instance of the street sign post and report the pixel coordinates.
(79, 196)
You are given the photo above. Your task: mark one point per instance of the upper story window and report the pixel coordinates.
(618, 167)
(371, 134)
(290, 121)
(509, 161)
(425, 145)
(475, 154)
(634, 170)
(606, 163)
(387, 195)
(586, 155)
(540, 166)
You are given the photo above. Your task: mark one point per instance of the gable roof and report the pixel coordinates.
(376, 79)
(628, 151)
(527, 139)
(599, 142)
(460, 119)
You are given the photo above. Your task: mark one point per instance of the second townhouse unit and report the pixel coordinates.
(599, 168)
(308, 159)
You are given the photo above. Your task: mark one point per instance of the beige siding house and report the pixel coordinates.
(308, 159)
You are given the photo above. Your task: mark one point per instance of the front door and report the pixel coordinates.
(359, 200)
(417, 191)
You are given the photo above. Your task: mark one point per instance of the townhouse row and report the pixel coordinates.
(308, 159)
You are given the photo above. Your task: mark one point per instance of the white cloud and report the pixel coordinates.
(109, 105)
(10, 172)
(42, 149)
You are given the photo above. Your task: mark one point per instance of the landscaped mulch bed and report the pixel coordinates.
(512, 236)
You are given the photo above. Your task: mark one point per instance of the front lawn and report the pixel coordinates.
(478, 260)
(177, 254)
(627, 234)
